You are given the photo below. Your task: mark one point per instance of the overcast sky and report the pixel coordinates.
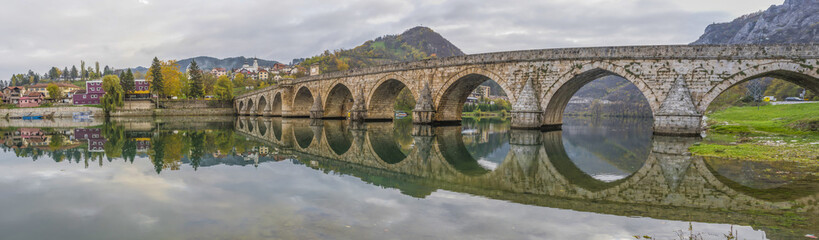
(38, 34)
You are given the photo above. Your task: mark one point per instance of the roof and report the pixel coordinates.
(59, 84)
(35, 94)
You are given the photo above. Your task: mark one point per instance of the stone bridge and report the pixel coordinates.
(671, 184)
(679, 82)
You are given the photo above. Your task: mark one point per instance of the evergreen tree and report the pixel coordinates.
(66, 73)
(156, 74)
(83, 73)
(97, 67)
(197, 89)
(127, 80)
(74, 73)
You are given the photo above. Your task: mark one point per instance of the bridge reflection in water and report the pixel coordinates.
(602, 170)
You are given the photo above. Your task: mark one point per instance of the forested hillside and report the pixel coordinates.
(415, 44)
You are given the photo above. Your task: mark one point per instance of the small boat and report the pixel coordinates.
(400, 114)
(32, 117)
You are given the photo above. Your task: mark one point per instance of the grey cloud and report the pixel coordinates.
(41, 34)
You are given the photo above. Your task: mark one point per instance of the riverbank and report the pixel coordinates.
(770, 133)
(147, 108)
(51, 112)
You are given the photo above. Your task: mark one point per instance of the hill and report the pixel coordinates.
(415, 44)
(795, 21)
(207, 63)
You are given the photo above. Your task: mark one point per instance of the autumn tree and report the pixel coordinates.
(113, 93)
(54, 92)
(223, 88)
(239, 79)
(208, 82)
(169, 83)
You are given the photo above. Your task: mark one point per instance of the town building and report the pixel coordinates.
(314, 70)
(31, 99)
(11, 95)
(93, 94)
(142, 90)
(65, 88)
(218, 72)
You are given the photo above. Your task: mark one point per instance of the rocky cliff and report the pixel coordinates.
(795, 21)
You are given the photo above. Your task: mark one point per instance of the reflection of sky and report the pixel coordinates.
(47, 200)
(591, 164)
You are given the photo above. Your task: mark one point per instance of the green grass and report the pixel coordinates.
(770, 133)
(769, 119)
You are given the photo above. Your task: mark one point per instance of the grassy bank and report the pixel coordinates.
(770, 133)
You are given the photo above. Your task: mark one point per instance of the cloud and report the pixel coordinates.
(130, 33)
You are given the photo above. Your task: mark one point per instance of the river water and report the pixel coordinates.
(273, 178)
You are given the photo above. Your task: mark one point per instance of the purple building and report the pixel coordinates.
(92, 95)
(93, 136)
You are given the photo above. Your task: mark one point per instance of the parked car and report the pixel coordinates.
(793, 99)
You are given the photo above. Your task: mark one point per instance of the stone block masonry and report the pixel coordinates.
(679, 83)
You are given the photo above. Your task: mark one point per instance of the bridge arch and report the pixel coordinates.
(454, 92)
(262, 106)
(558, 94)
(250, 107)
(338, 137)
(241, 107)
(303, 136)
(384, 142)
(381, 103)
(262, 128)
(276, 105)
(799, 74)
(338, 102)
(302, 102)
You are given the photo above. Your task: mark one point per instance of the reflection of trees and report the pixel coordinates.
(197, 148)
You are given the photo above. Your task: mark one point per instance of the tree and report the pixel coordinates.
(113, 93)
(239, 80)
(97, 67)
(54, 73)
(66, 73)
(197, 89)
(74, 73)
(126, 80)
(223, 88)
(83, 73)
(54, 91)
(155, 77)
(208, 82)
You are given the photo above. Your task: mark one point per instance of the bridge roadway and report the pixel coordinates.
(670, 185)
(679, 82)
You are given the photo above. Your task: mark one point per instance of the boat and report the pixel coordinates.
(32, 117)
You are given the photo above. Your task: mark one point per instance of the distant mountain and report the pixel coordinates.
(414, 44)
(795, 21)
(609, 96)
(207, 63)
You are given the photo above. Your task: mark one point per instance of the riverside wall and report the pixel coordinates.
(147, 108)
(49, 112)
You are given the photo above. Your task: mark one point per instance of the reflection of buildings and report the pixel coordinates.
(142, 144)
(96, 143)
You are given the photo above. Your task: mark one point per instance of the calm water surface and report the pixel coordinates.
(259, 178)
